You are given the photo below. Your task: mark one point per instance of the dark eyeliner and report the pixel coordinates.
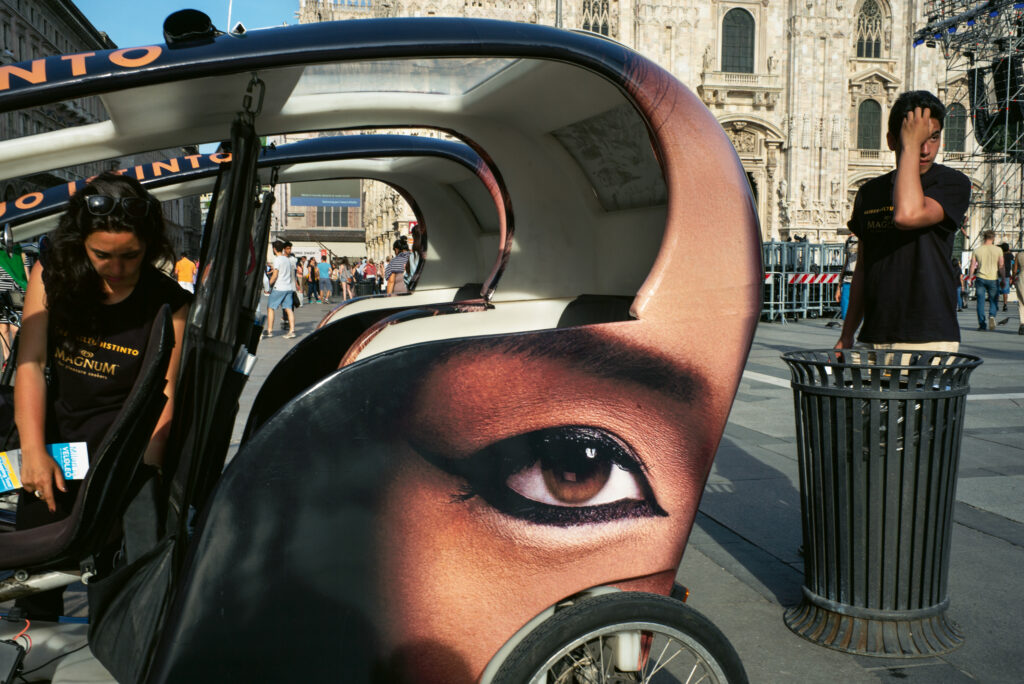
(486, 472)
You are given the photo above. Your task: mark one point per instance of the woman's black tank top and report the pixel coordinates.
(90, 383)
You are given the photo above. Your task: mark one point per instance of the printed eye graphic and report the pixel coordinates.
(557, 476)
(573, 469)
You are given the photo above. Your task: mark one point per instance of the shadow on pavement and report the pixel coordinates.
(749, 521)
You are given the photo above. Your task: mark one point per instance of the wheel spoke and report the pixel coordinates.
(689, 678)
(661, 665)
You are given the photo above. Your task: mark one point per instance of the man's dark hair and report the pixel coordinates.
(279, 245)
(911, 100)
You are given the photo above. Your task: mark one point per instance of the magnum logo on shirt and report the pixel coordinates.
(83, 360)
(879, 218)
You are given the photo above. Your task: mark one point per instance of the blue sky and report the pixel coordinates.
(140, 22)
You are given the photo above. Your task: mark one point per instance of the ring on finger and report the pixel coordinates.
(38, 494)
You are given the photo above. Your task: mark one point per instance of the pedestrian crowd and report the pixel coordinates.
(292, 281)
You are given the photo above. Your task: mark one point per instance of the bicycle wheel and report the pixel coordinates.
(624, 637)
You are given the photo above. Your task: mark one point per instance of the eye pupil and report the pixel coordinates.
(574, 478)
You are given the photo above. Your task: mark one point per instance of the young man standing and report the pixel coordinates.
(903, 286)
(987, 262)
(282, 287)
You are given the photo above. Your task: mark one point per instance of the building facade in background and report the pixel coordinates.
(342, 217)
(802, 88)
(319, 217)
(33, 29)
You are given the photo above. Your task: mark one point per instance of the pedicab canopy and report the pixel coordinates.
(446, 183)
(472, 469)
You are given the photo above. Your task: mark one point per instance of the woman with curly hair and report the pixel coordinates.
(90, 303)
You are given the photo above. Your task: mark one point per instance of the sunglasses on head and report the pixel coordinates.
(102, 205)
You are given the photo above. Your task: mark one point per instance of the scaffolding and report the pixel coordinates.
(983, 46)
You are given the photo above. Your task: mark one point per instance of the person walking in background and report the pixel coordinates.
(282, 288)
(965, 291)
(312, 281)
(370, 273)
(902, 286)
(394, 274)
(958, 278)
(987, 263)
(300, 277)
(345, 278)
(185, 269)
(324, 277)
(1015, 280)
(849, 263)
(335, 285)
(1004, 286)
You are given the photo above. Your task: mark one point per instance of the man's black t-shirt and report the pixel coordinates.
(90, 383)
(908, 284)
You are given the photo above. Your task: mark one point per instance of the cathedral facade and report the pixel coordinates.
(803, 88)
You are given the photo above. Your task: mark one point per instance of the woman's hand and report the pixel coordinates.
(40, 473)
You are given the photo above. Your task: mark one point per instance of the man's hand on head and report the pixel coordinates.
(916, 128)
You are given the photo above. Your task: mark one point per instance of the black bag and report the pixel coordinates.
(296, 301)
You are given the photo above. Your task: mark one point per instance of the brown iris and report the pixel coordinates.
(576, 477)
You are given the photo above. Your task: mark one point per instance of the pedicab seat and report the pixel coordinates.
(368, 303)
(317, 355)
(114, 474)
(503, 318)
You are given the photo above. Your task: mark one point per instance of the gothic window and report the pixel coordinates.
(869, 125)
(738, 41)
(956, 128)
(595, 16)
(869, 30)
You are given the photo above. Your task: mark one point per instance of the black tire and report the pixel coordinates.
(571, 646)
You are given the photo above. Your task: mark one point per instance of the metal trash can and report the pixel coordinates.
(878, 436)
(363, 288)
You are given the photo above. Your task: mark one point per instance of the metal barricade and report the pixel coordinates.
(800, 279)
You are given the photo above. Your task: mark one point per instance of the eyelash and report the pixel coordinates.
(487, 473)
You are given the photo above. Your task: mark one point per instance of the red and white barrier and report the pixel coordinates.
(814, 278)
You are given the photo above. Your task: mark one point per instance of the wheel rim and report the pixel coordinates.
(667, 656)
